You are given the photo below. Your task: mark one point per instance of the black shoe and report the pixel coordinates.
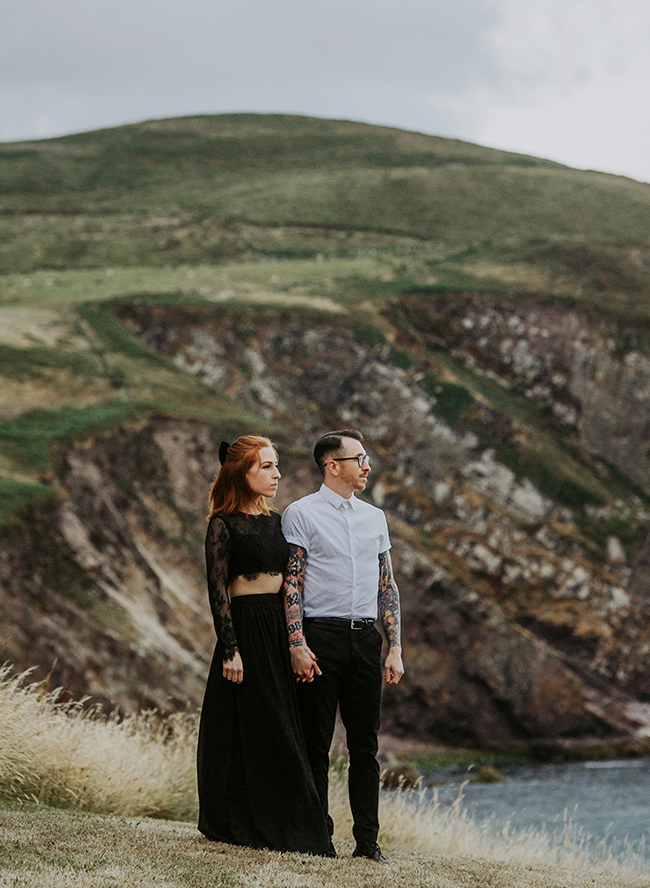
(371, 850)
(331, 851)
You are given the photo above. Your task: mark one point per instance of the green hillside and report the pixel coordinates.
(267, 209)
(213, 189)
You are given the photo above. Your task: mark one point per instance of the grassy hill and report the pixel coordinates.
(277, 210)
(210, 189)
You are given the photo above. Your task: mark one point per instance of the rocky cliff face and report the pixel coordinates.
(589, 376)
(591, 373)
(508, 432)
(515, 626)
(475, 675)
(520, 622)
(104, 592)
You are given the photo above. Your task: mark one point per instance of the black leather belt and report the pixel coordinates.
(359, 623)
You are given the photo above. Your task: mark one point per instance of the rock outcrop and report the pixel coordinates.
(570, 622)
(591, 373)
(519, 625)
(104, 591)
(476, 676)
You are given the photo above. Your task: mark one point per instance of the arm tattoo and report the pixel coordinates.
(293, 585)
(388, 600)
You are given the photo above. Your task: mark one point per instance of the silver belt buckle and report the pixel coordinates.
(357, 624)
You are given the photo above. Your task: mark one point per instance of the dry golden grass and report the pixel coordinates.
(81, 789)
(62, 754)
(57, 849)
(62, 849)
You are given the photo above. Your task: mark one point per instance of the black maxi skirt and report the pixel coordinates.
(255, 783)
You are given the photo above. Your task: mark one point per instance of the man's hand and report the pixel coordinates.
(233, 669)
(393, 666)
(304, 663)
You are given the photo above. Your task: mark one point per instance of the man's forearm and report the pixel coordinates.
(303, 661)
(293, 611)
(388, 602)
(293, 587)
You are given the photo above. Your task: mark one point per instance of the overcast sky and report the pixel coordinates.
(562, 79)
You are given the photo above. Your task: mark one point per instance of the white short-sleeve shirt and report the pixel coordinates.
(343, 539)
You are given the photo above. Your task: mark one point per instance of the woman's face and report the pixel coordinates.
(263, 477)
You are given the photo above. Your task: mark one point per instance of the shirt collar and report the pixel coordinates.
(335, 499)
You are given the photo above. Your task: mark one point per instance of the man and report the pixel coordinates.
(338, 579)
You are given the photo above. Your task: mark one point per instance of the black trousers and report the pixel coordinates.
(350, 660)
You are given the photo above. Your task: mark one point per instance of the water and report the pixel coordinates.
(606, 800)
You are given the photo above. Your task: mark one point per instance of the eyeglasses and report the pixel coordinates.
(363, 457)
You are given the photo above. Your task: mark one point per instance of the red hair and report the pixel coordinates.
(230, 491)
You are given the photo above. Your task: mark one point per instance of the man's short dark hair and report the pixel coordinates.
(331, 442)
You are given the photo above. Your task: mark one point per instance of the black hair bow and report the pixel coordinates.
(223, 451)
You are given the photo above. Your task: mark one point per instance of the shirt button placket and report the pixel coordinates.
(348, 517)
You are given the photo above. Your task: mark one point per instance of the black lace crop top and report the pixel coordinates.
(240, 545)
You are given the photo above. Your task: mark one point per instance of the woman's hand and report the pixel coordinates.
(304, 662)
(233, 669)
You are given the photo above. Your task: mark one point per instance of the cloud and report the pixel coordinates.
(78, 65)
(574, 84)
(564, 79)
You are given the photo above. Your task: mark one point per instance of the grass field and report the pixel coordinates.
(60, 849)
(254, 280)
(90, 801)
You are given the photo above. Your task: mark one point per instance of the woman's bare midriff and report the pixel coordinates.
(264, 584)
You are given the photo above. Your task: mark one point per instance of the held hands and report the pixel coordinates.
(233, 669)
(393, 666)
(304, 663)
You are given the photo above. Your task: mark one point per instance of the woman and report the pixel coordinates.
(255, 784)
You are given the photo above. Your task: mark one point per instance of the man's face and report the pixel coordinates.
(349, 471)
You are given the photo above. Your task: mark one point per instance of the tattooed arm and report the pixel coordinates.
(389, 611)
(303, 660)
(293, 584)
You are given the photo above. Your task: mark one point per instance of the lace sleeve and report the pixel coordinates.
(217, 551)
